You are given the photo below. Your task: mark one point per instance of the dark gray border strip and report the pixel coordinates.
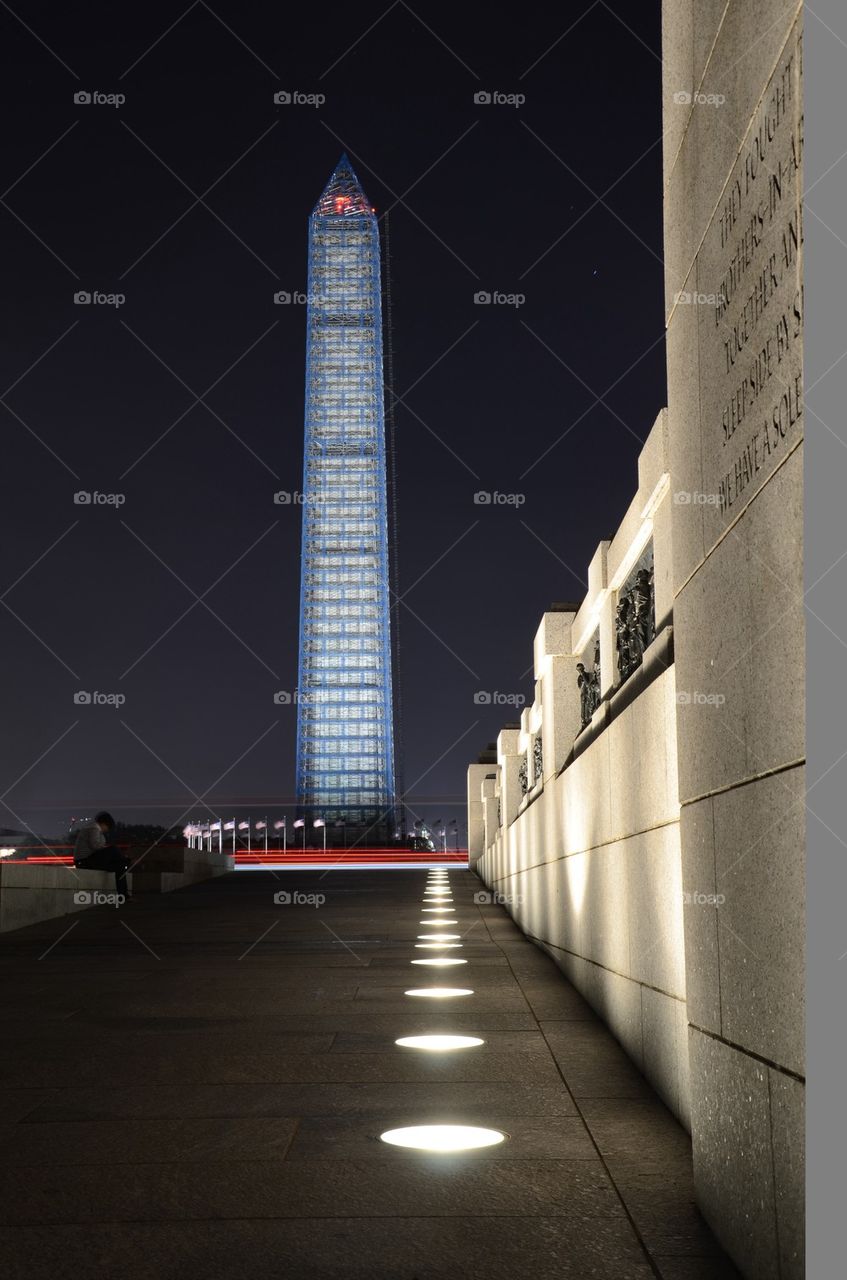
(826, 540)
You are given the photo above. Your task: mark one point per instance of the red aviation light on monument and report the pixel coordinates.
(343, 196)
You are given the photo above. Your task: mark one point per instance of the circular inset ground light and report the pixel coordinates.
(438, 1043)
(443, 1137)
(436, 923)
(438, 911)
(438, 946)
(438, 993)
(439, 937)
(439, 962)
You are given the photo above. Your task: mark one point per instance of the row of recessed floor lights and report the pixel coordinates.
(440, 1137)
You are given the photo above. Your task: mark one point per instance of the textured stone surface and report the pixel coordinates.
(759, 838)
(708, 16)
(663, 561)
(677, 78)
(654, 893)
(775, 714)
(32, 893)
(713, 672)
(733, 1166)
(568, 1189)
(605, 914)
(591, 870)
(789, 1135)
(638, 746)
(166, 1169)
(684, 453)
(587, 798)
(733, 241)
(664, 1035)
(700, 914)
(363, 1248)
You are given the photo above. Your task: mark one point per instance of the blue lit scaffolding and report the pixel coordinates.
(345, 745)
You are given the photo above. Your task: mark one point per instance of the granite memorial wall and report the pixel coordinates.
(659, 853)
(733, 112)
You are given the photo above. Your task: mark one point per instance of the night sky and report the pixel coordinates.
(191, 199)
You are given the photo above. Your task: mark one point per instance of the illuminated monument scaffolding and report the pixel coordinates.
(345, 731)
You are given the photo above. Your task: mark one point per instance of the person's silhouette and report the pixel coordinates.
(93, 850)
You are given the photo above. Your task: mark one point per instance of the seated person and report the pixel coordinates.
(92, 853)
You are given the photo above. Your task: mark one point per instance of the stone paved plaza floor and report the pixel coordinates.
(196, 1085)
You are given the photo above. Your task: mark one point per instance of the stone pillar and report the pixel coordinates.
(490, 805)
(476, 822)
(556, 691)
(525, 742)
(508, 760)
(733, 118)
(654, 484)
(598, 582)
(561, 712)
